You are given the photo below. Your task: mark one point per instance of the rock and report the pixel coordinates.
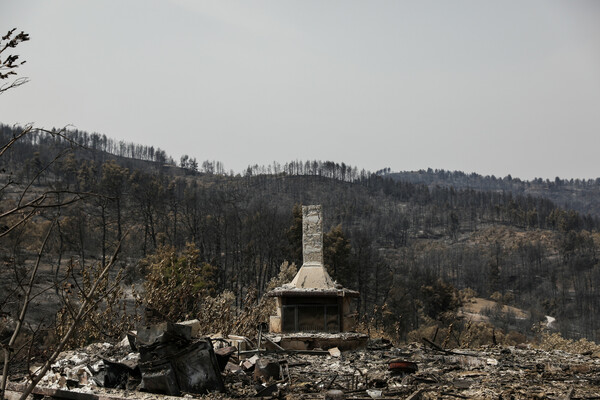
(34, 368)
(247, 365)
(231, 367)
(375, 394)
(334, 395)
(62, 382)
(335, 352)
(194, 324)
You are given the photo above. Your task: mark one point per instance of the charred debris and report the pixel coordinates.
(171, 360)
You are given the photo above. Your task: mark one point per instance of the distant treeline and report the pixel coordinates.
(577, 194)
(93, 141)
(477, 181)
(102, 146)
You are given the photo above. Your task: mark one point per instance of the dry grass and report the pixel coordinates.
(555, 341)
(476, 305)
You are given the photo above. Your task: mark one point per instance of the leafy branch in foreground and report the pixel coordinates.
(10, 62)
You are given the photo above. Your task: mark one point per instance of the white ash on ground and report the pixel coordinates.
(80, 369)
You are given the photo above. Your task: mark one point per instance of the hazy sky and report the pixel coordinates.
(503, 87)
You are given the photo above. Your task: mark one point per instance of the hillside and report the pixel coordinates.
(415, 251)
(576, 194)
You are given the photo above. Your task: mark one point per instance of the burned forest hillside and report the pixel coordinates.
(425, 255)
(577, 194)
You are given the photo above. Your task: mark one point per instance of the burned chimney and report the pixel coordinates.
(312, 301)
(312, 235)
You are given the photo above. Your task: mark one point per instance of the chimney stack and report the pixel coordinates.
(312, 235)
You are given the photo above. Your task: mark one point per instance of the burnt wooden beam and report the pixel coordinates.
(68, 394)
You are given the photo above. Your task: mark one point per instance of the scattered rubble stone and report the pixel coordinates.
(335, 352)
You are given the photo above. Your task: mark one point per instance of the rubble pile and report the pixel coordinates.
(99, 364)
(418, 372)
(162, 359)
(412, 371)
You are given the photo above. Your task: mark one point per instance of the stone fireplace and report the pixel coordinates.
(312, 301)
